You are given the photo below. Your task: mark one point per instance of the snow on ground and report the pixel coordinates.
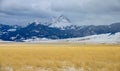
(40, 40)
(102, 38)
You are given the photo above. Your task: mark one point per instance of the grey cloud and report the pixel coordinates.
(88, 6)
(80, 12)
(20, 7)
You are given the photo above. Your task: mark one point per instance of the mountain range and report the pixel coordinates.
(57, 28)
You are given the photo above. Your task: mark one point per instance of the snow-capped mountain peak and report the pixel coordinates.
(60, 22)
(36, 21)
(63, 18)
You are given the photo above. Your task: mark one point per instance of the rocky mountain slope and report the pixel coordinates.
(58, 28)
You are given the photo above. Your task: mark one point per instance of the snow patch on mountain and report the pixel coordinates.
(11, 30)
(37, 21)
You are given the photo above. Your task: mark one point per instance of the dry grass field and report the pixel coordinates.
(59, 57)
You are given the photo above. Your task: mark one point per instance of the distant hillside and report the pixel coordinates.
(54, 29)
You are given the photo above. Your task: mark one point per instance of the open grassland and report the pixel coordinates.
(59, 57)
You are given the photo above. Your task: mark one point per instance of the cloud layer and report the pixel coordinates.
(80, 12)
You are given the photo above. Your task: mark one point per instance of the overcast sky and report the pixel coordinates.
(80, 12)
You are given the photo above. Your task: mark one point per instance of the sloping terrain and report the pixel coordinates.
(102, 38)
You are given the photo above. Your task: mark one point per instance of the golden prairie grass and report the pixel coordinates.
(59, 57)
